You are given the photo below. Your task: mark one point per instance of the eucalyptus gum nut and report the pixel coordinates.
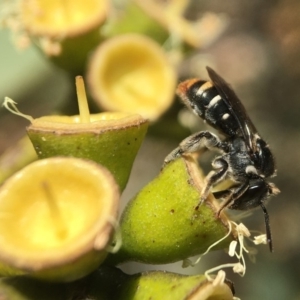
(65, 31)
(111, 283)
(56, 221)
(112, 142)
(87, 263)
(160, 225)
(170, 286)
(65, 273)
(132, 73)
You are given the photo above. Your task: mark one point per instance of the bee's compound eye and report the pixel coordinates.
(264, 158)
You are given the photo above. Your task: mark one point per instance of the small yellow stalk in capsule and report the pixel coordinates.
(84, 111)
(110, 139)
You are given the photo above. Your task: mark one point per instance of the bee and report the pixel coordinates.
(245, 158)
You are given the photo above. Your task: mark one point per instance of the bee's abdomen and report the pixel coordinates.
(205, 101)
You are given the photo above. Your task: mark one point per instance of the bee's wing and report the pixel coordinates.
(235, 106)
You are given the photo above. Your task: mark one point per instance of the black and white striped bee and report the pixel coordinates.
(245, 157)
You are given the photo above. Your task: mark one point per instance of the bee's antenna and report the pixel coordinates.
(268, 228)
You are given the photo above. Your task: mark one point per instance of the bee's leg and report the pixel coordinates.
(213, 177)
(236, 194)
(196, 142)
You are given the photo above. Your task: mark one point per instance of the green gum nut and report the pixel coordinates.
(110, 139)
(110, 283)
(162, 225)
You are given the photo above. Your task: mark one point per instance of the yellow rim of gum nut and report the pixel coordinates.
(110, 139)
(131, 73)
(56, 211)
(61, 19)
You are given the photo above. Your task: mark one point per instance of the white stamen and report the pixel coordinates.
(260, 239)
(243, 230)
(220, 278)
(239, 268)
(232, 248)
(11, 106)
(187, 262)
